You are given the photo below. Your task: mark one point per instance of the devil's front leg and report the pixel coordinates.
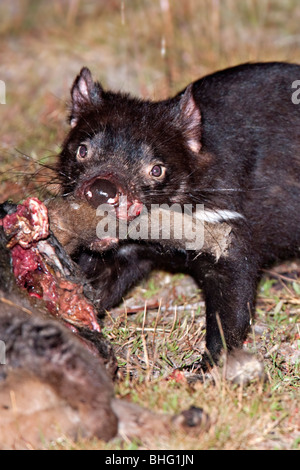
(229, 288)
(114, 272)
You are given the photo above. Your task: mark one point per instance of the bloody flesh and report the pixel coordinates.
(28, 230)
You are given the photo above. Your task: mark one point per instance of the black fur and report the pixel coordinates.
(229, 141)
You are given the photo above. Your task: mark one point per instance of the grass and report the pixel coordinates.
(154, 345)
(261, 416)
(153, 49)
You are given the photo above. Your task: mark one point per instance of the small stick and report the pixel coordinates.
(12, 304)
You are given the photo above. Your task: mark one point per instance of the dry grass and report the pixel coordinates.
(154, 48)
(260, 416)
(154, 346)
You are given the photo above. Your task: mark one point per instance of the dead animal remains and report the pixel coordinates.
(57, 370)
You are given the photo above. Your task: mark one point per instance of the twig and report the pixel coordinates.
(12, 304)
(156, 323)
(174, 321)
(281, 276)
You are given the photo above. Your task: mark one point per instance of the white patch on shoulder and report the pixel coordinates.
(217, 216)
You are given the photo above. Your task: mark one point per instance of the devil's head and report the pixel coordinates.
(122, 148)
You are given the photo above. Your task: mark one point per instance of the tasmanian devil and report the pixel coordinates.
(230, 143)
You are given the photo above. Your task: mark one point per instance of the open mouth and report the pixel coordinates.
(104, 190)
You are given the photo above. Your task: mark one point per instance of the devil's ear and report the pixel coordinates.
(84, 93)
(190, 118)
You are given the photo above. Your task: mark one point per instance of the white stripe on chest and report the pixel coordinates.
(217, 216)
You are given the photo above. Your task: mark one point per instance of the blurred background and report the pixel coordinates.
(151, 48)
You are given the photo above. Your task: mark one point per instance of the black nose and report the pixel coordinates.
(101, 191)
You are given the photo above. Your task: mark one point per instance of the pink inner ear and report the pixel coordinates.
(73, 122)
(82, 85)
(194, 145)
(191, 119)
(79, 98)
(84, 92)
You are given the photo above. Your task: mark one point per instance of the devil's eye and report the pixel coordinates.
(82, 152)
(156, 171)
